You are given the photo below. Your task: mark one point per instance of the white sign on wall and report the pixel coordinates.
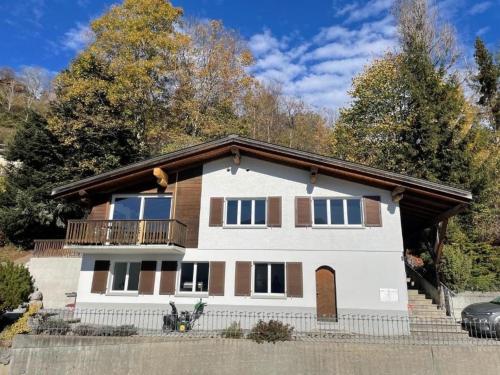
(389, 295)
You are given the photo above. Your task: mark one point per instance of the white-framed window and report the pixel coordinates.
(245, 212)
(337, 212)
(193, 277)
(141, 207)
(268, 279)
(125, 276)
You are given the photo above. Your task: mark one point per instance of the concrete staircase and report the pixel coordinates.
(426, 319)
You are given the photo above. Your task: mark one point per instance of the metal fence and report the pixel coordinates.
(262, 326)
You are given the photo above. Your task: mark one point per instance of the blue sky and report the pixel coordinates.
(313, 48)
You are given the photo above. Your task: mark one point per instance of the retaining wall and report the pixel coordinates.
(54, 277)
(87, 355)
(462, 300)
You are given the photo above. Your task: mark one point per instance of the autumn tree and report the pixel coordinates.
(274, 117)
(212, 82)
(116, 93)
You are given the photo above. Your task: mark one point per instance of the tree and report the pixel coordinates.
(212, 83)
(487, 79)
(36, 82)
(409, 115)
(26, 208)
(16, 284)
(118, 89)
(9, 88)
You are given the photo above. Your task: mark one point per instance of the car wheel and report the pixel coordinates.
(497, 329)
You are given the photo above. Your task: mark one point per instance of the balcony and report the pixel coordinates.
(126, 236)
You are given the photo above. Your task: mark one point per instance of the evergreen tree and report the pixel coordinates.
(487, 79)
(26, 208)
(409, 114)
(16, 284)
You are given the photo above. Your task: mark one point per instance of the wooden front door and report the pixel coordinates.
(326, 300)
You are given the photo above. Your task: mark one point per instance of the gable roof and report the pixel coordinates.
(429, 198)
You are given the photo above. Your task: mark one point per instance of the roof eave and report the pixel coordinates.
(305, 157)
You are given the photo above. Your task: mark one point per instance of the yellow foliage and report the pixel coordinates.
(21, 325)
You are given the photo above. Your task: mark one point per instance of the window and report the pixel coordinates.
(142, 207)
(337, 211)
(354, 211)
(245, 211)
(194, 277)
(125, 276)
(269, 278)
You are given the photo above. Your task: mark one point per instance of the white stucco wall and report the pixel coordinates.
(55, 276)
(364, 259)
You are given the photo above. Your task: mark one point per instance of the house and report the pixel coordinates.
(251, 226)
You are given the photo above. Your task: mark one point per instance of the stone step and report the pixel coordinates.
(422, 303)
(414, 292)
(423, 307)
(418, 297)
(426, 315)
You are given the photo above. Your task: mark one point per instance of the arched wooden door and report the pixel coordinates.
(326, 298)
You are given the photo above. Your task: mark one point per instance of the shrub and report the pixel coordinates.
(51, 327)
(96, 330)
(21, 325)
(271, 331)
(16, 284)
(234, 331)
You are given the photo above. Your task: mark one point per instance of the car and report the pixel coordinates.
(482, 319)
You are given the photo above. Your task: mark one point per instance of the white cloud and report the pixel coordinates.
(262, 43)
(356, 12)
(320, 70)
(482, 31)
(78, 37)
(480, 7)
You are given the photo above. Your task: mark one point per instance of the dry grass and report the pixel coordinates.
(14, 254)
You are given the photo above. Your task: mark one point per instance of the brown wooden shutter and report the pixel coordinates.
(217, 274)
(371, 205)
(216, 212)
(303, 212)
(294, 279)
(242, 279)
(100, 278)
(274, 211)
(147, 277)
(167, 280)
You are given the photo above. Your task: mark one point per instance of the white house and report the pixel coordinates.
(250, 226)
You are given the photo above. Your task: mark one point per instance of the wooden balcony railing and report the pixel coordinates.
(52, 248)
(126, 232)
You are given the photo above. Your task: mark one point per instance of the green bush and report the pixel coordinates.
(234, 331)
(455, 268)
(271, 331)
(16, 284)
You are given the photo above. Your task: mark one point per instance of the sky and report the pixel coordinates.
(312, 48)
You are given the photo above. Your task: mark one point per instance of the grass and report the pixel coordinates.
(13, 254)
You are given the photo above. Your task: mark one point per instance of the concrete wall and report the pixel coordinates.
(365, 259)
(81, 355)
(462, 300)
(55, 276)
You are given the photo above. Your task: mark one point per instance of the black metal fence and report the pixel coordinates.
(267, 326)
